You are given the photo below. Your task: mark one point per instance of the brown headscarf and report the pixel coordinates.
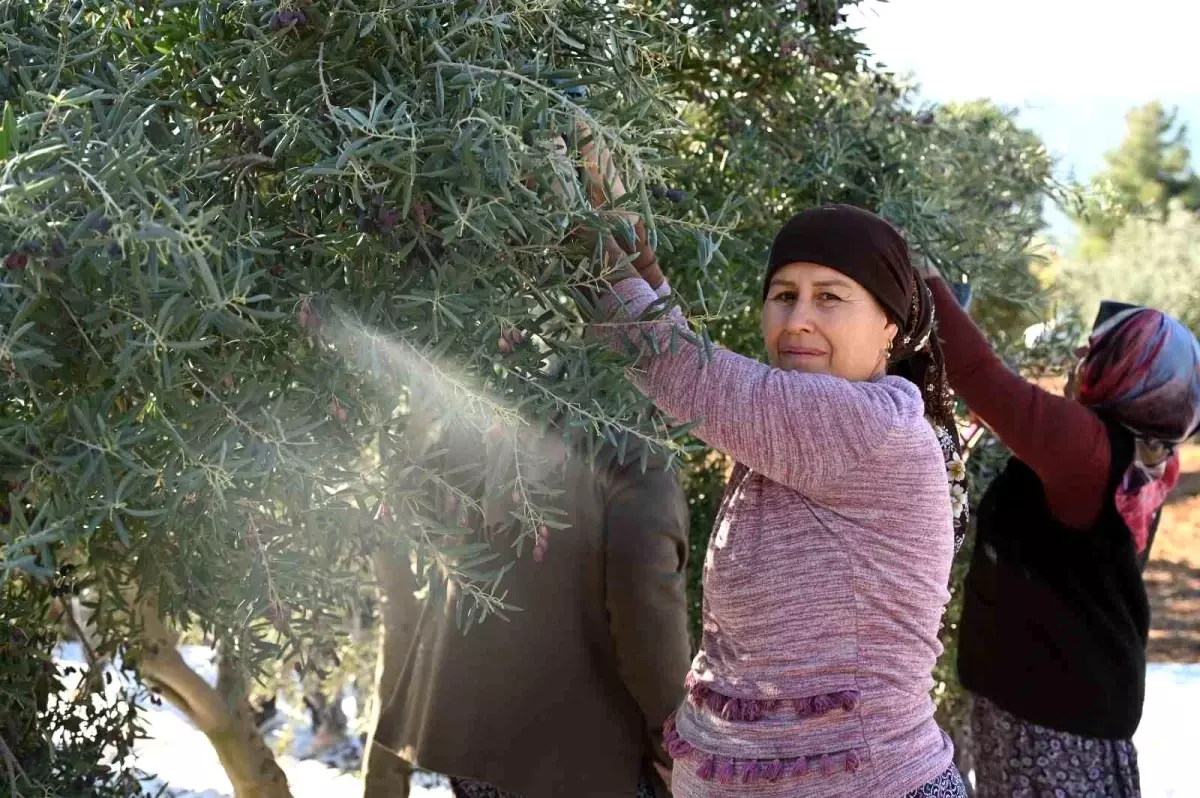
(856, 243)
(871, 252)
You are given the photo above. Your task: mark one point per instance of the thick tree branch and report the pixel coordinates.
(221, 712)
(163, 665)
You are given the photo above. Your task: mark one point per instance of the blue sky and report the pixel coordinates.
(1072, 68)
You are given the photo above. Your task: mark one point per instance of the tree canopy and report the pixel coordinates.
(259, 258)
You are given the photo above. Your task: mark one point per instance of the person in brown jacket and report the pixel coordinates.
(568, 696)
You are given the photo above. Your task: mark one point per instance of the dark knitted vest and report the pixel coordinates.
(1055, 620)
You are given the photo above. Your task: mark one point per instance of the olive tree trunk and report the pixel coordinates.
(387, 774)
(222, 713)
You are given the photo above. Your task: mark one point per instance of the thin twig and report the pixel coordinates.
(87, 176)
(575, 407)
(510, 75)
(247, 160)
(13, 766)
(79, 326)
(324, 87)
(277, 607)
(73, 622)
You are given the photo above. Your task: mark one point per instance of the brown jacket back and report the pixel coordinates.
(567, 696)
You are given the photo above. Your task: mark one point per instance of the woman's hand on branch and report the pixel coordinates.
(603, 184)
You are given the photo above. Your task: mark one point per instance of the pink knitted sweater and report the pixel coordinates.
(825, 579)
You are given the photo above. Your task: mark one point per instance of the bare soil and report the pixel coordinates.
(1173, 574)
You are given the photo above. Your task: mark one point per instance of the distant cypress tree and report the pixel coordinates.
(1148, 171)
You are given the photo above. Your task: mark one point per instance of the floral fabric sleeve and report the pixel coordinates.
(956, 474)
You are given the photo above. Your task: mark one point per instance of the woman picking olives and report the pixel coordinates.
(1052, 642)
(826, 574)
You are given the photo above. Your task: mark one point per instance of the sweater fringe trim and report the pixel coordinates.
(728, 770)
(749, 710)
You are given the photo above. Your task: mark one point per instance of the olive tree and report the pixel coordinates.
(257, 257)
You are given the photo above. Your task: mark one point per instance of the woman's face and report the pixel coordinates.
(820, 321)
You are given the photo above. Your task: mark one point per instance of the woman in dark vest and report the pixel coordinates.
(1052, 642)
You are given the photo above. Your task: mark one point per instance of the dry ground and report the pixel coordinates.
(1173, 575)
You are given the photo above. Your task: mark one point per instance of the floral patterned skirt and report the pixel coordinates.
(1017, 759)
(947, 785)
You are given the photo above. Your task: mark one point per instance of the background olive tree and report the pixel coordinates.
(1140, 233)
(1143, 176)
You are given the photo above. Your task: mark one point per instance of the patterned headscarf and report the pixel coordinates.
(1143, 370)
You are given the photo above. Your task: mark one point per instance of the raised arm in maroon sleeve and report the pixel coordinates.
(1061, 440)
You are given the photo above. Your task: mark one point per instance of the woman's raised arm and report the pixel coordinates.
(1061, 440)
(802, 430)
